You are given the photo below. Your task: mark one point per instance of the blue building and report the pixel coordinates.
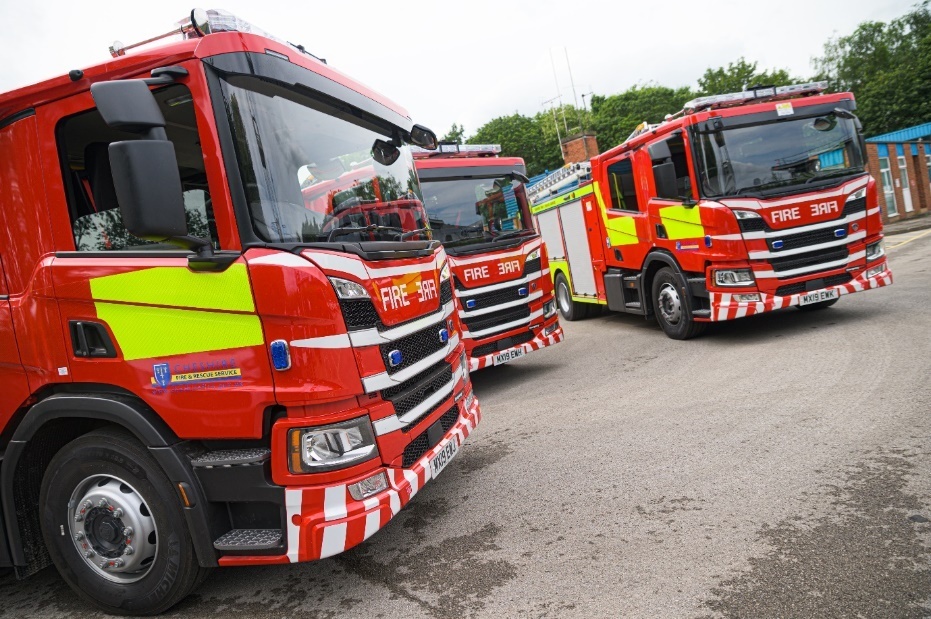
(900, 161)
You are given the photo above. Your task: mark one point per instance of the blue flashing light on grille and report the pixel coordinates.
(395, 358)
(281, 355)
(522, 291)
(777, 244)
(470, 304)
(444, 335)
(840, 233)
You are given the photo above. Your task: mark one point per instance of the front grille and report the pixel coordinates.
(833, 280)
(752, 225)
(531, 266)
(446, 292)
(487, 321)
(502, 344)
(419, 446)
(414, 347)
(813, 258)
(854, 206)
(496, 297)
(406, 396)
(805, 239)
(360, 314)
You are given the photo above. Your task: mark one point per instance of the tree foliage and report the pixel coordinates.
(738, 75)
(456, 134)
(888, 67)
(522, 136)
(616, 116)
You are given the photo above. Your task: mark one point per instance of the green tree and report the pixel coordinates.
(455, 134)
(738, 75)
(614, 117)
(888, 67)
(522, 136)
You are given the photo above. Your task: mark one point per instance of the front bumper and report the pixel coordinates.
(723, 308)
(325, 520)
(540, 341)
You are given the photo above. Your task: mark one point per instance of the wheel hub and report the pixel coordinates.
(113, 529)
(563, 295)
(670, 305)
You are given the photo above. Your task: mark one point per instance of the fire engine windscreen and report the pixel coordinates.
(468, 211)
(778, 157)
(312, 173)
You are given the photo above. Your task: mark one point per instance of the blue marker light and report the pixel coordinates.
(444, 336)
(777, 244)
(707, 240)
(281, 355)
(840, 233)
(395, 358)
(470, 304)
(522, 291)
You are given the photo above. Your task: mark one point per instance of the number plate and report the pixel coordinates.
(440, 460)
(818, 296)
(508, 355)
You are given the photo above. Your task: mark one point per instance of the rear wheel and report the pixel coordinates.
(570, 310)
(672, 305)
(818, 306)
(113, 525)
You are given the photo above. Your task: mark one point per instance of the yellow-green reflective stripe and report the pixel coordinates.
(682, 222)
(557, 266)
(178, 287)
(621, 229)
(146, 332)
(560, 200)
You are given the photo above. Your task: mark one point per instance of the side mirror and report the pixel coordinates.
(521, 177)
(665, 176)
(128, 105)
(384, 152)
(660, 151)
(148, 189)
(424, 138)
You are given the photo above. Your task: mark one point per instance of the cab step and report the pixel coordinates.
(232, 457)
(249, 540)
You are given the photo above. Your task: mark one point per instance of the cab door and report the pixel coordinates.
(133, 314)
(14, 388)
(620, 193)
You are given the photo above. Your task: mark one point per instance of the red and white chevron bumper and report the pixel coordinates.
(723, 307)
(540, 341)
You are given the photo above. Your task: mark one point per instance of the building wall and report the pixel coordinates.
(918, 186)
(578, 148)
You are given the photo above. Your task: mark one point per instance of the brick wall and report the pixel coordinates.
(917, 185)
(580, 147)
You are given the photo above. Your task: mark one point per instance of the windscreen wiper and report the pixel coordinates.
(510, 235)
(353, 229)
(411, 233)
(828, 174)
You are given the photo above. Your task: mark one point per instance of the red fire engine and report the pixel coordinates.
(202, 361)
(739, 204)
(478, 209)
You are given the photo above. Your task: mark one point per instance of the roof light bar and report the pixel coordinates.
(735, 98)
(448, 148)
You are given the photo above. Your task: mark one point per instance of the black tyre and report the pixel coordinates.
(114, 526)
(818, 306)
(672, 305)
(569, 309)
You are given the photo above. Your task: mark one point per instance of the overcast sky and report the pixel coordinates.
(466, 61)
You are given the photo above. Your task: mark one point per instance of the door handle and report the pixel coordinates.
(90, 339)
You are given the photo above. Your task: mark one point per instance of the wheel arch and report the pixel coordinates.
(55, 421)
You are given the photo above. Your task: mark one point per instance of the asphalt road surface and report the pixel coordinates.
(779, 466)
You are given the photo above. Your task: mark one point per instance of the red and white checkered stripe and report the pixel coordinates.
(724, 308)
(344, 522)
(541, 341)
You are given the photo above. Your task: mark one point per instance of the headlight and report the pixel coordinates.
(533, 255)
(733, 277)
(746, 214)
(336, 446)
(549, 308)
(859, 193)
(875, 250)
(346, 289)
(444, 272)
(470, 400)
(464, 366)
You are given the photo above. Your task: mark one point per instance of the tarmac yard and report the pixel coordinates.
(779, 466)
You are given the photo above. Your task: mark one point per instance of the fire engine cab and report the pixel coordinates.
(478, 209)
(739, 204)
(224, 337)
